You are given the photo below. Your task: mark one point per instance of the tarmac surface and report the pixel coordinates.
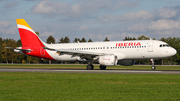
(90, 71)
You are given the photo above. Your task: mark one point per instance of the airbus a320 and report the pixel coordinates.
(105, 53)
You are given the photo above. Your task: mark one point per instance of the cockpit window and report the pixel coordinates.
(164, 45)
(167, 45)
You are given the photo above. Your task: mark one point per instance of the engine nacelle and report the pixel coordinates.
(126, 62)
(109, 60)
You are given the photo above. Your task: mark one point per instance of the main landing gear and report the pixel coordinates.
(91, 67)
(102, 67)
(153, 67)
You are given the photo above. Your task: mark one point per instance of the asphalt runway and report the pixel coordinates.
(90, 71)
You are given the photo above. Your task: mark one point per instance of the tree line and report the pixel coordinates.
(9, 56)
(66, 39)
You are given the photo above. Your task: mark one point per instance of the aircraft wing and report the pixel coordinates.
(77, 52)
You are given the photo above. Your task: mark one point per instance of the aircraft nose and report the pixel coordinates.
(173, 51)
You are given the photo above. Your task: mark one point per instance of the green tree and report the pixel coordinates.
(1, 42)
(50, 39)
(11, 55)
(61, 40)
(90, 40)
(20, 56)
(19, 44)
(129, 38)
(37, 33)
(77, 40)
(0, 53)
(4, 52)
(66, 39)
(143, 37)
(106, 39)
(83, 40)
(30, 59)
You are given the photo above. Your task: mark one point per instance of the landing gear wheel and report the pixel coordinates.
(90, 67)
(153, 67)
(102, 67)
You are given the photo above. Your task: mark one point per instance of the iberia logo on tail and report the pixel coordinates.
(31, 41)
(28, 36)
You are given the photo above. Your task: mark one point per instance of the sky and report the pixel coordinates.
(92, 19)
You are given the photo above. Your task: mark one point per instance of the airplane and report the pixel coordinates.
(110, 53)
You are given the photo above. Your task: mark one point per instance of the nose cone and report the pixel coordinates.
(173, 51)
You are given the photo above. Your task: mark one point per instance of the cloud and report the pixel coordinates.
(5, 28)
(163, 13)
(4, 24)
(11, 30)
(106, 4)
(140, 15)
(140, 27)
(107, 18)
(83, 27)
(94, 13)
(166, 13)
(122, 35)
(46, 34)
(45, 7)
(159, 25)
(49, 7)
(79, 9)
(164, 25)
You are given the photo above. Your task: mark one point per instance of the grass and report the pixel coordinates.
(74, 66)
(88, 87)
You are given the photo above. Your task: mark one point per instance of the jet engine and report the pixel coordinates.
(108, 60)
(126, 62)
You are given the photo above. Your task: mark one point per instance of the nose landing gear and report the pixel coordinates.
(153, 67)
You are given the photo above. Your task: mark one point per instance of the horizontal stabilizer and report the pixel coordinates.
(19, 48)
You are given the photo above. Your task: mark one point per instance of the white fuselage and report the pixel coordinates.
(138, 49)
